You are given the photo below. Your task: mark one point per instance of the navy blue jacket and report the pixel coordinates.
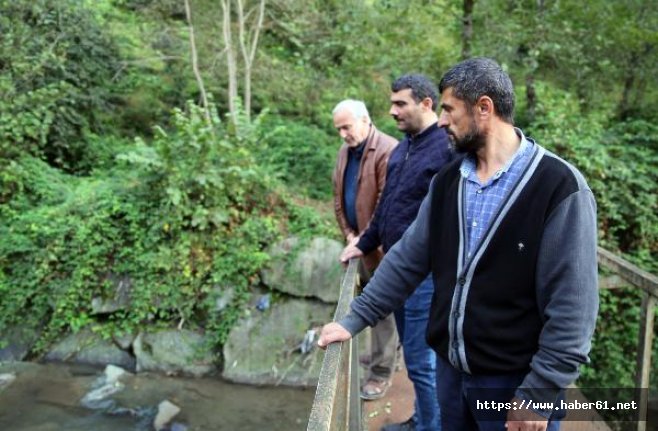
(411, 167)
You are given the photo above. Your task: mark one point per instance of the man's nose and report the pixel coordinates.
(393, 111)
(443, 119)
(343, 133)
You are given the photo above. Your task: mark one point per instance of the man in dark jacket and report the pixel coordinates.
(509, 234)
(413, 163)
(358, 179)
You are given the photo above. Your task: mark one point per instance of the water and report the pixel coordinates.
(47, 398)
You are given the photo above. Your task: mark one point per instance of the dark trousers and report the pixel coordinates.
(459, 393)
(383, 341)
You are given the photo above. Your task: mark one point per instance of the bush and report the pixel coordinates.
(301, 156)
(55, 67)
(186, 218)
(618, 162)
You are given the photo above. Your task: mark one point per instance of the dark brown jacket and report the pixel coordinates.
(370, 184)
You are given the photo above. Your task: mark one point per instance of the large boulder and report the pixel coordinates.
(18, 343)
(305, 269)
(87, 347)
(267, 347)
(173, 352)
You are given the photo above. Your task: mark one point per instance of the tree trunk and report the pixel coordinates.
(230, 58)
(467, 30)
(249, 54)
(531, 97)
(533, 60)
(624, 109)
(195, 63)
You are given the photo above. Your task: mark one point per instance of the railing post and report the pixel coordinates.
(644, 357)
(648, 283)
(337, 404)
(356, 418)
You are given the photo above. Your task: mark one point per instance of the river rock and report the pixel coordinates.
(173, 352)
(166, 412)
(97, 399)
(6, 379)
(124, 341)
(86, 347)
(176, 426)
(265, 348)
(112, 374)
(305, 269)
(19, 342)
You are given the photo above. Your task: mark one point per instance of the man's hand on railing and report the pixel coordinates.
(351, 251)
(331, 333)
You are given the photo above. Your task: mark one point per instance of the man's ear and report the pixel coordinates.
(484, 106)
(427, 104)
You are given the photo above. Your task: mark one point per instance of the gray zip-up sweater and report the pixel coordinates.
(500, 312)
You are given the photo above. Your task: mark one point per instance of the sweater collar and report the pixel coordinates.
(424, 134)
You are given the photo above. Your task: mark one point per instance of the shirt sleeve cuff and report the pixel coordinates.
(366, 245)
(353, 323)
(540, 393)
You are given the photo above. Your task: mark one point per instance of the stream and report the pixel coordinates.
(46, 397)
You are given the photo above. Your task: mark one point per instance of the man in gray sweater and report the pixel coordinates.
(509, 233)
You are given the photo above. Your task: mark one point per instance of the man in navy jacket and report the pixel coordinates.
(413, 163)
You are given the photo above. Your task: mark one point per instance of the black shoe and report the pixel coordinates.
(408, 425)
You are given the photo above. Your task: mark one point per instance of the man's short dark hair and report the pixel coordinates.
(477, 77)
(421, 87)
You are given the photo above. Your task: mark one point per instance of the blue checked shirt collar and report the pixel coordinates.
(469, 165)
(483, 200)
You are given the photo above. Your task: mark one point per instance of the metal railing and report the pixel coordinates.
(337, 405)
(649, 285)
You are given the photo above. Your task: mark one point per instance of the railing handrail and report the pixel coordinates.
(337, 405)
(649, 284)
(629, 272)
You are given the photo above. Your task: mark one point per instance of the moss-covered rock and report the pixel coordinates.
(265, 348)
(305, 269)
(173, 352)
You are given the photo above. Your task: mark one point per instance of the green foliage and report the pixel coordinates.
(602, 53)
(302, 156)
(615, 344)
(185, 218)
(155, 73)
(618, 163)
(613, 355)
(55, 67)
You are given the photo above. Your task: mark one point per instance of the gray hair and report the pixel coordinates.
(477, 77)
(356, 107)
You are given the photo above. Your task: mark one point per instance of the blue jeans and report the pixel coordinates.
(458, 393)
(419, 358)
